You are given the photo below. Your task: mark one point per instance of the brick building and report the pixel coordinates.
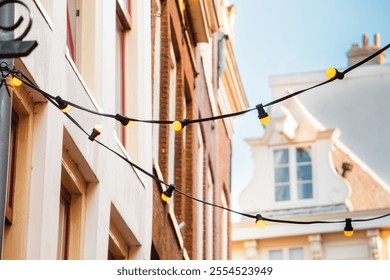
(195, 76)
(320, 158)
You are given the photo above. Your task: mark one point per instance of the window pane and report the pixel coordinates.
(305, 190)
(72, 22)
(282, 193)
(295, 253)
(304, 173)
(304, 154)
(282, 175)
(281, 157)
(275, 255)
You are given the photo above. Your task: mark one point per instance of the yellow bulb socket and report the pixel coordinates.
(66, 109)
(348, 233)
(260, 223)
(177, 126)
(331, 72)
(265, 120)
(130, 123)
(16, 81)
(164, 197)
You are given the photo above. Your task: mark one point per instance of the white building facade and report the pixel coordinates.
(72, 198)
(323, 157)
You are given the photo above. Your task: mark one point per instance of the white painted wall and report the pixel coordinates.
(114, 181)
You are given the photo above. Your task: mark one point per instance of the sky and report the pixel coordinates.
(277, 37)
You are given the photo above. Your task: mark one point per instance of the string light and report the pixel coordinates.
(260, 223)
(16, 79)
(262, 114)
(96, 131)
(348, 229)
(125, 121)
(179, 125)
(167, 194)
(260, 220)
(62, 105)
(333, 73)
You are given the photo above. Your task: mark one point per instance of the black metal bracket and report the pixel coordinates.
(17, 47)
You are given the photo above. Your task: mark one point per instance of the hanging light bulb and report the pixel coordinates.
(123, 120)
(62, 104)
(332, 73)
(262, 114)
(16, 79)
(167, 194)
(260, 223)
(348, 229)
(96, 131)
(179, 125)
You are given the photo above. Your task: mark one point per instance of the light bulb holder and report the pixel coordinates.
(260, 222)
(95, 132)
(333, 73)
(17, 77)
(123, 120)
(348, 229)
(183, 123)
(18, 74)
(262, 114)
(167, 194)
(62, 104)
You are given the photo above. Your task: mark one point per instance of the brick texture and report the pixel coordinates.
(367, 193)
(192, 102)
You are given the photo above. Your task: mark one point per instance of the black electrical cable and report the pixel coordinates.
(52, 99)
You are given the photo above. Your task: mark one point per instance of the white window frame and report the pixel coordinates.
(293, 173)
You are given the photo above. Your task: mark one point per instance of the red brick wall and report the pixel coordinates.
(367, 193)
(192, 102)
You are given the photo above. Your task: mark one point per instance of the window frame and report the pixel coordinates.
(73, 182)
(73, 33)
(209, 216)
(122, 24)
(118, 249)
(293, 169)
(10, 192)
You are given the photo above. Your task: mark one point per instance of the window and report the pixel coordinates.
(117, 246)
(172, 113)
(199, 207)
(120, 79)
(276, 254)
(286, 254)
(71, 211)
(123, 24)
(293, 178)
(63, 225)
(12, 168)
(209, 218)
(224, 228)
(122, 243)
(73, 29)
(18, 184)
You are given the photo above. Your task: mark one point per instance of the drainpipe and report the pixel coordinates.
(6, 19)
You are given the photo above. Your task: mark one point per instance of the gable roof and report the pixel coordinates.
(358, 105)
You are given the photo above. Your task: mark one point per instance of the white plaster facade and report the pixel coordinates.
(115, 194)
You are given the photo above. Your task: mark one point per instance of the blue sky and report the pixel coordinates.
(276, 37)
